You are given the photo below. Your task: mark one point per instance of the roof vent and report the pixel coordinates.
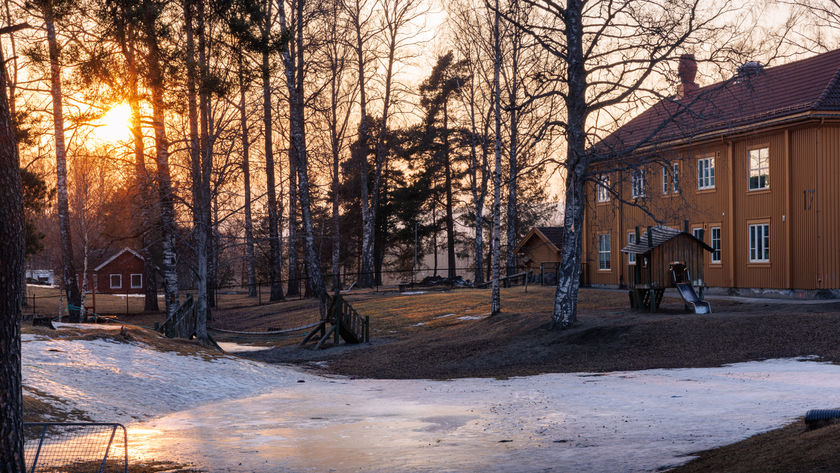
(750, 69)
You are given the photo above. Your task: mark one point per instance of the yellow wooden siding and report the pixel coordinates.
(538, 251)
(803, 209)
(828, 208)
(804, 248)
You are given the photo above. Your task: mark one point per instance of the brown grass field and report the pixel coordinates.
(449, 334)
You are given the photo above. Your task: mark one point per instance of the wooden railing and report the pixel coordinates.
(182, 324)
(352, 327)
(346, 323)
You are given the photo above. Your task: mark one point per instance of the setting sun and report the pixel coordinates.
(115, 125)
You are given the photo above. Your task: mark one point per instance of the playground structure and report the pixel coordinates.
(666, 257)
(345, 323)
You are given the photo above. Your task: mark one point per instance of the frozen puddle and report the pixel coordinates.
(232, 415)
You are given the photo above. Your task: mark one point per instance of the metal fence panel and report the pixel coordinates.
(75, 447)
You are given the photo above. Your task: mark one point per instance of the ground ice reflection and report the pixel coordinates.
(634, 421)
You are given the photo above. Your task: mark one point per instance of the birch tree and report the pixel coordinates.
(51, 12)
(495, 296)
(472, 38)
(341, 94)
(292, 54)
(611, 50)
(246, 173)
(150, 12)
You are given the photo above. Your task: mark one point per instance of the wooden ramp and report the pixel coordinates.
(345, 323)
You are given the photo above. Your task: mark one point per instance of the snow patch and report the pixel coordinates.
(60, 325)
(231, 347)
(413, 293)
(117, 382)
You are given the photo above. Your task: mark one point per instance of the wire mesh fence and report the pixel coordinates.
(234, 292)
(75, 447)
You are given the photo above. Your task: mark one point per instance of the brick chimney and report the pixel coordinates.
(687, 71)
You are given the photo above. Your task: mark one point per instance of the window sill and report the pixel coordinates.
(765, 190)
(707, 190)
(758, 264)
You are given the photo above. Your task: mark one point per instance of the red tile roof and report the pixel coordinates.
(808, 85)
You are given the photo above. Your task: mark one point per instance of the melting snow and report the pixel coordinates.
(231, 347)
(237, 415)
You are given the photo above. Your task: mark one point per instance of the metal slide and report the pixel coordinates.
(689, 296)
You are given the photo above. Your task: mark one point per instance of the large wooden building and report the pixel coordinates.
(753, 161)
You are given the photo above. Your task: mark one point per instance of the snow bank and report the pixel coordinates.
(119, 382)
(235, 415)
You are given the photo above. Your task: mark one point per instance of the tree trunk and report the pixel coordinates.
(275, 248)
(294, 81)
(495, 298)
(197, 158)
(12, 234)
(568, 281)
(334, 185)
(478, 272)
(450, 219)
(246, 178)
(366, 273)
(204, 245)
(292, 245)
(125, 38)
(71, 285)
(167, 209)
(84, 270)
(513, 165)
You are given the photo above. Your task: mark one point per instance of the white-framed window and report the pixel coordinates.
(759, 242)
(706, 173)
(115, 280)
(715, 231)
(631, 257)
(604, 252)
(675, 178)
(602, 188)
(136, 281)
(671, 179)
(638, 188)
(698, 233)
(759, 168)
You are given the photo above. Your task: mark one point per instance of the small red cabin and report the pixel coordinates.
(122, 273)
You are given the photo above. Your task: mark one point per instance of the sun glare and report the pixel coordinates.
(115, 125)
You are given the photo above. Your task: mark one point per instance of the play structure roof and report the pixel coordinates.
(660, 235)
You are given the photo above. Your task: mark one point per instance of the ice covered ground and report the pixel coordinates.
(236, 415)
